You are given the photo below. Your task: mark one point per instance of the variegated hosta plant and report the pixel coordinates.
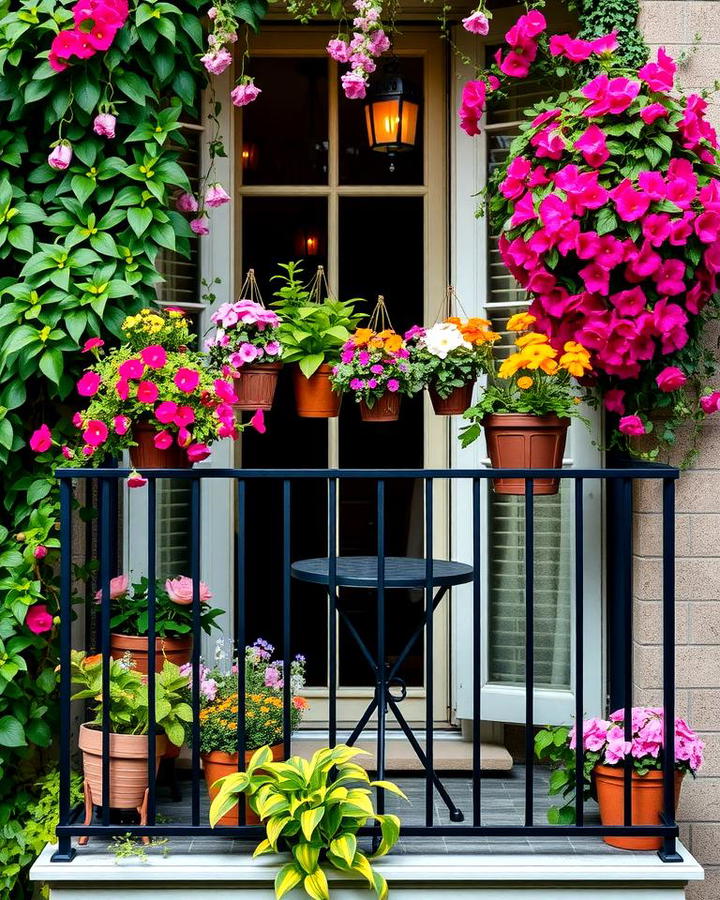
(316, 816)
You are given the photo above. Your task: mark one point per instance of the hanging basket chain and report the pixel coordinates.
(450, 305)
(250, 289)
(319, 288)
(380, 319)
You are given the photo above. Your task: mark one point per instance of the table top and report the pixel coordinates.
(400, 572)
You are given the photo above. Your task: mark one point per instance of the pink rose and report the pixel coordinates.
(38, 619)
(40, 552)
(245, 92)
(60, 156)
(186, 203)
(216, 61)
(631, 425)
(711, 403)
(180, 591)
(476, 23)
(199, 226)
(354, 85)
(671, 379)
(118, 587)
(41, 440)
(104, 125)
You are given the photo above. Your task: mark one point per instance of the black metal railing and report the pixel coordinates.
(619, 482)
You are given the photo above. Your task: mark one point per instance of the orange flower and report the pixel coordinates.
(533, 338)
(393, 343)
(300, 703)
(95, 660)
(524, 382)
(520, 322)
(362, 336)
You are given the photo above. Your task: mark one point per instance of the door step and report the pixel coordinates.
(451, 753)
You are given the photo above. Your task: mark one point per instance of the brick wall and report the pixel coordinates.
(674, 24)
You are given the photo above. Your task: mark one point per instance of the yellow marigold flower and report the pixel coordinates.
(520, 322)
(511, 365)
(362, 336)
(536, 355)
(549, 366)
(393, 343)
(525, 382)
(533, 338)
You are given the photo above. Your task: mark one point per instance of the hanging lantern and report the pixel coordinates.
(391, 114)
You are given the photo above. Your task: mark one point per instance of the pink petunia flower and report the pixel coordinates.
(659, 75)
(186, 380)
(245, 92)
(88, 385)
(92, 344)
(216, 195)
(131, 369)
(147, 392)
(166, 411)
(614, 401)
(121, 424)
(95, 433)
(198, 452)
(631, 425)
(41, 439)
(258, 421)
(135, 480)
(38, 619)
(671, 379)
(154, 356)
(476, 23)
(593, 147)
(652, 112)
(186, 203)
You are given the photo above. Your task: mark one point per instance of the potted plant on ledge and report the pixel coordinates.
(129, 725)
(246, 345)
(173, 619)
(527, 406)
(264, 693)
(313, 330)
(605, 752)
(153, 397)
(450, 356)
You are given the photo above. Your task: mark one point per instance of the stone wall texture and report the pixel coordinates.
(691, 27)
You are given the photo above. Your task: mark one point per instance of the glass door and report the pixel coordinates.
(310, 189)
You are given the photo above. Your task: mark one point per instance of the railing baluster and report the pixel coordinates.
(151, 570)
(626, 531)
(195, 538)
(65, 851)
(529, 648)
(476, 653)
(105, 644)
(287, 509)
(429, 698)
(669, 853)
(332, 612)
(240, 630)
(381, 683)
(579, 638)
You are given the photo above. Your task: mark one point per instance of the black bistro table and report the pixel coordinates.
(397, 572)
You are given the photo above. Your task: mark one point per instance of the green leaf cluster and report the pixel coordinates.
(313, 809)
(129, 613)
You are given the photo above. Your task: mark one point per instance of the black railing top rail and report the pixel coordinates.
(634, 472)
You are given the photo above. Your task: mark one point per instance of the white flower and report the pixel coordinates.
(443, 338)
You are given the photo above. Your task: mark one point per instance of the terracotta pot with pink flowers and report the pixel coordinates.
(245, 346)
(606, 748)
(129, 621)
(152, 396)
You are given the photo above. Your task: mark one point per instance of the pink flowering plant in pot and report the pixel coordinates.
(605, 751)
(246, 334)
(609, 212)
(151, 396)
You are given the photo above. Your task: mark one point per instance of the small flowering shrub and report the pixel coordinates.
(373, 363)
(173, 606)
(609, 212)
(143, 383)
(313, 329)
(536, 379)
(604, 744)
(246, 333)
(264, 704)
(128, 708)
(453, 353)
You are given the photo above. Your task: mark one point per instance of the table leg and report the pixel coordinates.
(456, 815)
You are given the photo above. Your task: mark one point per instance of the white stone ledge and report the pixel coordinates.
(419, 875)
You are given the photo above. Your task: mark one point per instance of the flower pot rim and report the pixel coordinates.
(144, 638)
(618, 773)
(549, 419)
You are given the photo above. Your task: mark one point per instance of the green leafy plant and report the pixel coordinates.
(173, 607)
(312, 330)
(312, 809)
(129, 708)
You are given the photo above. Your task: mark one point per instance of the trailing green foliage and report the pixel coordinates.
(599, 17)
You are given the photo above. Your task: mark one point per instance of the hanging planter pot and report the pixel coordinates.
(314, 396)
(523, 441)
(175, 650)
(455, 403)
(218, 764)
(647, 803)
(147, 456)
(255, 387)
(385, 409)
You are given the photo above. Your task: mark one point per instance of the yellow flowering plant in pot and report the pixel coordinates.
(527, 405)
(313, 810)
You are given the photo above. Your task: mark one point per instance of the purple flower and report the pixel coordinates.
(372, 383)
(216, 195)
(393, 385)
(60, 156)
(245, 92)
(363, 357)
(357, 384)
(186, 203)
(347, 356)
(104, 124)
(377, 369)
(216, 61)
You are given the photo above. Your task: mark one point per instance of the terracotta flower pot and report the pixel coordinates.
(147, 456)
(255, 388)
(176, 650)
(217, 764)
(128, 766)
(385, 409)
(518, 441)
(647, 803)
(455, 403)
(314, 396)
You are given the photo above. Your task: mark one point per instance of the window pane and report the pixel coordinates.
(361, 165)
(389, 233)
(285, 133)
(278, 229)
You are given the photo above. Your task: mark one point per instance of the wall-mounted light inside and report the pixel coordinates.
(249, 156)
(307, 242)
